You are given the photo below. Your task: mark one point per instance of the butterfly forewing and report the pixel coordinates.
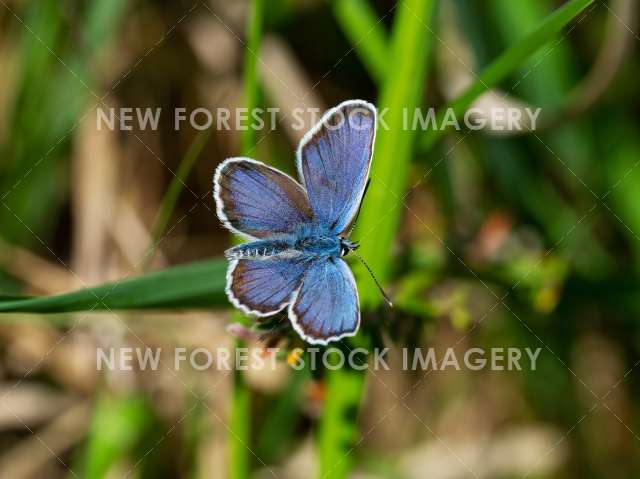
(258, 201)
(334, 159)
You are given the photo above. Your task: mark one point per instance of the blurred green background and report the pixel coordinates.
(490, 239)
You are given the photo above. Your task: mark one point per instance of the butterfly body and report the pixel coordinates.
(311, 247)
(308, 240)
(298, 232)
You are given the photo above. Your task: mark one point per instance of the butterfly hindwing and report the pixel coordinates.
(326, 306)
(265, 286)
(334, 160)
(258, 201)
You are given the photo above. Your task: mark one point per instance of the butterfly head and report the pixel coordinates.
(346, 246)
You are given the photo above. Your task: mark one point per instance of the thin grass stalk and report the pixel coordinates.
(410, 46)
(251, 89)
(240, 434)
(168, 204)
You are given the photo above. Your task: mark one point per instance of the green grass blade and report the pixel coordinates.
(366, 33)
(173, 192)
(196, 430)
(251, 89)
(194, 285)
(240, 425)
(508, 62)
(338, 431)
(411, 44)
(118, 425)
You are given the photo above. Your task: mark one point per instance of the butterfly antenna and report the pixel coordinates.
(355, 219)
(373, 276)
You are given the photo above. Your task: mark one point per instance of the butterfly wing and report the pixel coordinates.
(326, 307)
(263, 287)
(334, 159)
(255, 200)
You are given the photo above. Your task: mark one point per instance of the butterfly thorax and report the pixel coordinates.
(318, 245)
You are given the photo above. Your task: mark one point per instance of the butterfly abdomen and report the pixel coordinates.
(258, 249)
(315, 245)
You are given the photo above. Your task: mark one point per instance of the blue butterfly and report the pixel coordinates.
(299, 232)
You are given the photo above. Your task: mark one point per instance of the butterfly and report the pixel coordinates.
(298, 233)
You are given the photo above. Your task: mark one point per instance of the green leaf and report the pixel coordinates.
(193, 285)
